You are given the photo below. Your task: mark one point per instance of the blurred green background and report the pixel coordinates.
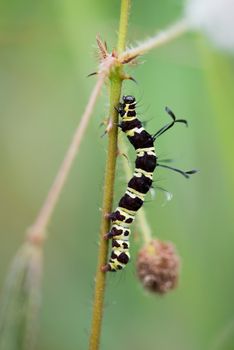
(47, 50)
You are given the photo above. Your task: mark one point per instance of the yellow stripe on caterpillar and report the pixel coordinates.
(133, 195)
(123, 245)
(128, 119)
(125, 233)
(119, 228)
(141, 151)
(137, 193)
(133, 131)
(124, 225)
(147, 149)
(130, 212)
(139, 172)
(127, 108)
(114, 263)
(122, 237)
(126, 213)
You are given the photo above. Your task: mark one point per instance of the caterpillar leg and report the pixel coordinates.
(113, 216)
(118, 232)
(109, 126)
(121, 214)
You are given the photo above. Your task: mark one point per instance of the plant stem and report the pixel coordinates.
(123, 25)
(105, 223)
(115, 91)
(144, 226)
(163, 37)
(37, 231)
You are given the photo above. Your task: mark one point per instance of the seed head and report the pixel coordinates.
(158, 266)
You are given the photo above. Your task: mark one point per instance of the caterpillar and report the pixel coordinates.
(138, 186)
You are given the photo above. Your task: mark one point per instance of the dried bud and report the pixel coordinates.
(158, 266)
(21, 300)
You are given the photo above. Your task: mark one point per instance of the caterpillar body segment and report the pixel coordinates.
(138, 186)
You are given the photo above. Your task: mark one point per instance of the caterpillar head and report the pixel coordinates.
(128, 101)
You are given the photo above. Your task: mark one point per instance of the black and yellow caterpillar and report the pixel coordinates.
(140, 183)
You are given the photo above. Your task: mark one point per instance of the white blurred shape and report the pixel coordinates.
(215, 18)
(168, 197)
(152, 193)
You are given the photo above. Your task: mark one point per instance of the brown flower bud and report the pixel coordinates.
(158, 266)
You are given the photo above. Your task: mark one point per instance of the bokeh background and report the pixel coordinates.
(47, 50)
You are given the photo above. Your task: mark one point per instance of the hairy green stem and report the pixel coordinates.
(123, 25)
(105, 223)
(162, 38)
(115, 91)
